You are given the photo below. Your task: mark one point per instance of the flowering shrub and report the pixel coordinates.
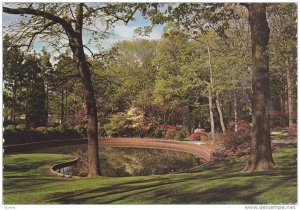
(166, 127)
(128, 123)
(195, 136)
(242, 126)
(42, 130)
(199, 136)
(235, 144)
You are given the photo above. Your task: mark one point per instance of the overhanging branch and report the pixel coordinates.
(39, 32)
(29, 11)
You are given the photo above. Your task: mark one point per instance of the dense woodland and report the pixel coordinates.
(162, 88)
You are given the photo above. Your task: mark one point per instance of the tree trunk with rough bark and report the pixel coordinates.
(261, 152)
(76, 44)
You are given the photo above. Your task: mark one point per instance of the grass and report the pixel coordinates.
(27, 180)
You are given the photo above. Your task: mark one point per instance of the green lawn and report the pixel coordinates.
(27, 180)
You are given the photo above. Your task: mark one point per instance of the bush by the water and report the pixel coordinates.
(235, 144)
(181, 134)
(21, 127)
(242, 126)
(81, 130)
(170, 133)
(10, 128)
(199, 136)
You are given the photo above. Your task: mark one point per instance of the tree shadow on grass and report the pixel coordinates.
(182, 188)
(226, 185)
(174, 191)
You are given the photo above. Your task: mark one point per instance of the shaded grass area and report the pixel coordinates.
(282, 133)
(27, 180)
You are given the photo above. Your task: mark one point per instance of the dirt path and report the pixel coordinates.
(201, 150)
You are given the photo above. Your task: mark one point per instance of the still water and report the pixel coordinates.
(119, 162)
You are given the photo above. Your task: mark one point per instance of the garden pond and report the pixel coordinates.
(119, 162)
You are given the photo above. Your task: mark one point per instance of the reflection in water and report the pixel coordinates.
(117, 162)
(68, 170)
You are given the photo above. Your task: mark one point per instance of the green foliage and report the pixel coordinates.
(159, 133)
(21, 127)
(51, 130)
(181, 134)
(61, 127)
(14, 76)
(80, 129)
(125, 124)
(36, 112)
(10, 128)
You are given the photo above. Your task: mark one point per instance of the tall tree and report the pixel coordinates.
(283, 22)
(198, 19)
(261, 152)
(13, 74)
(210, 94)
(36, 104)
(67, 21)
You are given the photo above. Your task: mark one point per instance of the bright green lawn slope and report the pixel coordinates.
(27, 180)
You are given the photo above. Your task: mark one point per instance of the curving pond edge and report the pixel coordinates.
(189, 147)
(201, 150)
(54, 168)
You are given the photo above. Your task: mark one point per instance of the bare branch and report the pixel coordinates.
(66, 24)
(63, 80)
(124, 19)
(39, 32)
(91, 11)
(89, 50)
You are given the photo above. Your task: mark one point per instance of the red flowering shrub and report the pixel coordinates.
(199, 136)
(195, 136)
(146, 128)
(242, 126)
(166, 127)
(235, 144)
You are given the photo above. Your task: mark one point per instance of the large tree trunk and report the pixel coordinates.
(291, 99)
(76, 44)
(210, 96)
(220, 114)
(261, 152)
